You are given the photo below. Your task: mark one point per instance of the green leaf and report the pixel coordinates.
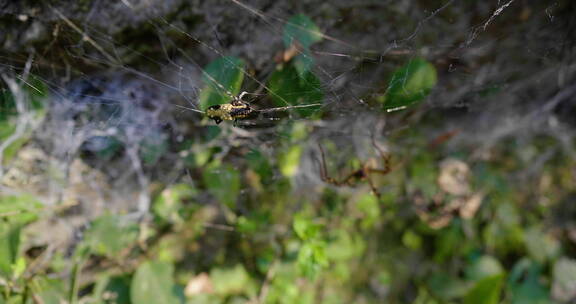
(109, 235)
(289, 161)
(301, 29)
(260, 164)
(410, 84)
(541, 246)
(168, 205)
(525, 285)
(312, 258)
(9, 245)
(222, 76)
(229, 281)
(485, 291)
(288, 88)
(484, 266)
(113, 289)
(153, 283)
(49, 291)
(224, 183)
(305, 228)
(20, 209)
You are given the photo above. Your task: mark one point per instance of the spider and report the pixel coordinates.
(363, 173)
(239, 109)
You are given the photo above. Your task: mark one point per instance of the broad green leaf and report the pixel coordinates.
(229, 281)
(224, 183)
(153, 283)
(109, 235)
(221, 77)
(302, 30)
(525, 286)
(410, 84)
(288, 88)
(484, 266)
(485, 291)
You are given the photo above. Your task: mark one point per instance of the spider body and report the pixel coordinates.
(239, 109)
(358, 175)
(229, 111)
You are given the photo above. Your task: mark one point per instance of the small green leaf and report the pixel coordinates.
(109, 235)
(224, 183)
(305, 228)
(485, 291)
(9, 245)
(229, 281)
(153, 283)
(49, 291)
(288, 88)
(410, 84)
(222, 76)
(169, 203)
(301, 29)
(484, 266)
(541, 246)
(289, 161)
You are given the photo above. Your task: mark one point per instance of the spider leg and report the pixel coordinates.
(384, 155)
(324, 172)
(241, 95)
(373, 187)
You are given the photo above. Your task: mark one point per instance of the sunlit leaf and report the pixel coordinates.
(222, 77)
(301, 29)
(9, 245)
(153, 283)
(485, 291)
(234, 280)
(484, 266)
(410, 84)
(289, 161)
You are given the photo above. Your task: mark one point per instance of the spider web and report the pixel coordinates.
(105, 83)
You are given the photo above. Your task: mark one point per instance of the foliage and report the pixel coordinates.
(223, 77)
(251, 224)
